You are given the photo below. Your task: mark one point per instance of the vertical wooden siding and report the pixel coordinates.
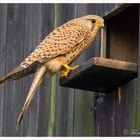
(114, 118)
(22, 27)
(137, 95)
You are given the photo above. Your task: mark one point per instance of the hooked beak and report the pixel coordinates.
(100, 24)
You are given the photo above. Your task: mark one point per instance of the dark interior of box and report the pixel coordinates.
(122, 35)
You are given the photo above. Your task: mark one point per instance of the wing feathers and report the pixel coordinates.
(19, 72)
(59, 42)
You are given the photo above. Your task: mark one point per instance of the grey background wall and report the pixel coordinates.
(22, 27)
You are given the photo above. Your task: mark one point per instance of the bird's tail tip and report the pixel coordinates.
(17, 130)
(17, 127)
(19, 121)
(2, 80)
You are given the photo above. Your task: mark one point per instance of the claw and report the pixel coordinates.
(68, 69)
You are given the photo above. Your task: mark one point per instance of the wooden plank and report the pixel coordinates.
(7, 111)
(3, 28)
(27, 48)
(14, 40)
(124, 121)
(137, 98)
(34, 11)
(105, 114)
(117, 10)
(18, 32)
(83, 126)
(103, 74)
(32, 35)
(45, 88)
(52, 109)
(103, 41)
(65, 102)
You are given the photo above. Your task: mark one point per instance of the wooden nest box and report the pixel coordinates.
(117, 63)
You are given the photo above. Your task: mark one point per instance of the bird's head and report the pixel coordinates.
(93, 21)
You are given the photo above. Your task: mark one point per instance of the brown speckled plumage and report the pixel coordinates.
(61, 46)
(58, 42)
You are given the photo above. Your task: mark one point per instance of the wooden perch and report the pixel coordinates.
(100, 75)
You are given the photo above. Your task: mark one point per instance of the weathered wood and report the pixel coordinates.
(122, 39)
(103, 41)
(32, 34)
(65, 102)
(27, 48)
(3, 28)
(137, 97)
(83, 126)
(120, 48)
(52, 110)
(104, 110)
(103, 75)
(22, 26)
(117, 10)
(45, 88)
(15, 33)
(124, 110)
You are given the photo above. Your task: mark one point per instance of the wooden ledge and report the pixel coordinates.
(100, 75)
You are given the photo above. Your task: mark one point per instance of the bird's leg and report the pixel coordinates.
(68, 69)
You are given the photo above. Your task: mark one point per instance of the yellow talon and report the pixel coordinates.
(68, 69)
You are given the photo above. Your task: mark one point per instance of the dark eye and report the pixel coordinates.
(93, 21)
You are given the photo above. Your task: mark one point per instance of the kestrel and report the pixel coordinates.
(58, 50)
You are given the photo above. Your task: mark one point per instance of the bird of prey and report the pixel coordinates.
(56, 52)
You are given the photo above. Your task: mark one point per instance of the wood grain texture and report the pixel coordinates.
(105, 114)
(136, 107)
(79, 112)
(120, 50)
(3, 28)
(13, 41)
(83, 126)
(45, 89)
(123, 42)
(103, 75)
(65, 97)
